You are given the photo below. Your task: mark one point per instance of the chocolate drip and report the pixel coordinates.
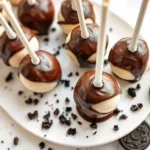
(134, 62)
(84, 48)
(38, 17)
(86, 95)
(9, 47)
(71, 16)
(47, 71)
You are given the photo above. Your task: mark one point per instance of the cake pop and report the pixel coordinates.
(38, 15)
(68, 18)
(39, 72)
(82, 41)
(97, 93)
(129, 57)
(12, 50)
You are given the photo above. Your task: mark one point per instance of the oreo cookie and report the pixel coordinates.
(139, 139)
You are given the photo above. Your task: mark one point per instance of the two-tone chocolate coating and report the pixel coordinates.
(134, 62)
(48, 70)
(71, 17)
(38, 17)
(86, 95)
(84, 48)
(9, 47)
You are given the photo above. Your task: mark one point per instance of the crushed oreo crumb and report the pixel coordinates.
(66, 83)
(55, 95)
(68, 109)
(70, 74)
(62, 119)
(42, 145)
(67, 100)
(93, 126)
(117, 111)
(116, 127)
(20, 93)
(53, 29)
(50, 148)
(110, 29)
(29, 101)
(132, 92)
(57, 101)
(134, 108)
(16, 141)
(63, 45)
(79, 123)
(123, 117)
(74, 116)
(68, 122)
(71, 131)
(95, 133)
(106, 62)
(47, 124)
(140, 105)
(138, 86)
(9, 77)
(33, 115)
(46, 39)
(56, 112)
(35, 101)
(47, 116)
(77, 73)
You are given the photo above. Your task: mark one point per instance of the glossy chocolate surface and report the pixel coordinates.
(71, 16)
(134, 62)
(84, 48)
(38, 17)
(48, 70)
(9, 47)
(86, 95)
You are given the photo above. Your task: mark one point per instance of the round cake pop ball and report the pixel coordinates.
(96, 104)
(129, 65)
(83, 51)
(13, 51)
(15, 2)
(68, 18)
(42, 77)
(38, 17)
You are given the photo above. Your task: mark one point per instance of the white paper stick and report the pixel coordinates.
(134, 42)
(11, 34)
(31, 2)
(101, 45)
(79, 8)
(14, 22)
(73, 5)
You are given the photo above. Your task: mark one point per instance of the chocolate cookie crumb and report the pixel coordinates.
(134, 108)
(47, 124)
(50, 148)
(123, 117)
(79, 123)
(20, 93)
(110, 29)
(9, 77)
(93, 126)
(74, 116)
(68, 109)
(116, 127)
(95, 133)
(132, 92)
(53, 29)
(117, 111)
(33, 115)
(42, 145)
(46, 39)
(56, 112)
(71, 131)
(16, 141)
(106, 61)
(68, 122)
(67, 100)
(138, 86)
(66, 83)
(140, 105)
(55, 95)
(47, 116)
(70, 74)
(62, 119)
(35, 101)
(29, 101)
(77, 73)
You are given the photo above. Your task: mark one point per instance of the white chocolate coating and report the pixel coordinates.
(16, 58)
(38, 87)
(67, 28)
(108, 105)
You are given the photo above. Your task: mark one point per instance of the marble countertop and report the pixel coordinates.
(128, 10)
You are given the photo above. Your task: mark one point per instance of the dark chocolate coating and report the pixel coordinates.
(139, 139)
(48, 70)
(71, 16)
(86, 95)
(84, 48)
(134, 62)
(38, 17)
(9, 47)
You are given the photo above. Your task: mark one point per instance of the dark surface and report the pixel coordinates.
(139, 139)
(38, 17)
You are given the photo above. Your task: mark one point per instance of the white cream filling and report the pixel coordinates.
(38, 87)
(121, 73)
(69, 27)
(16, 58)
(108, 105)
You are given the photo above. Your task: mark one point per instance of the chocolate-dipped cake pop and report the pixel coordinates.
(82, 41)
(129, 57)
(39, 72)
(15, 2)
(38, 15)
(97, 93)
(12, 50)
(68, 18)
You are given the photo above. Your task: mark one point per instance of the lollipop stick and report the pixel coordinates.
(79, 8)
(11, 34)
(73, 5)
(101, 45)
(31, 2)
(13, 20)
(134, 42)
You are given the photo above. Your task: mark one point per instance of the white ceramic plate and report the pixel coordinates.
(15, 106)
